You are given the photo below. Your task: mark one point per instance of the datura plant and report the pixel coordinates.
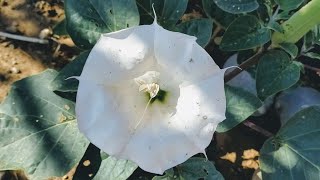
(151, 96)
(144, 98)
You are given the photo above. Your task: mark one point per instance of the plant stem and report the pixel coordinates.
(246, 64)
(317, 70)
(257, 128)
(218, 24)
(215, 32)
(298, 24)
(24, 38)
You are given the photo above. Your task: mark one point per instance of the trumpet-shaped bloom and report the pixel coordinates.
(151, 96)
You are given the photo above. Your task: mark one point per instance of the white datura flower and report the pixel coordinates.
(151, 96)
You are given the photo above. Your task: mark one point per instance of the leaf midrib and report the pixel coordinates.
(60, 108)
(100, 16)
(303, 157)
(144, 8)
(32, 134)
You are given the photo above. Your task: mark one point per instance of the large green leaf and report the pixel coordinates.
(237, 6)
(276, 72)
(289, 5)
(61, 83)
(240, 105)
(194, 168)
(246, 32)
(168, 12)
(219, 16)
(88, 19)
(38, 130)
(200, 28)
(294, 151)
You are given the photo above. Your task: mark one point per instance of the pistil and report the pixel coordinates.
(147, 83)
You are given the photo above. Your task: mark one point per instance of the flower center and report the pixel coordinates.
(152, 89)
(148, 83)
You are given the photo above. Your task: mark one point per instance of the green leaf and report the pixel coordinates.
(307, 42)
(194, 168)
(276, 72)
(300, 65)
(97, 165)
(38, 130)
(290, 48)
(289, 5)
(311, 38)
(240, 105)
(200, 28)
(316, 34)
(88, 19)
(168, 12)
(312, 55)
(294, 152)
(113, 168)
(274, 25)
(236, 6)
(246, 32)
(264, 11)
(284, 15)
(61, 83)
(169, 175)
(214, 12)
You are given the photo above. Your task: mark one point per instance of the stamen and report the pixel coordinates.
(144, 112)
(147, 83)
(153, 90)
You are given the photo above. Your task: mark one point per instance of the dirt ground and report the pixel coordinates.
(19, 59)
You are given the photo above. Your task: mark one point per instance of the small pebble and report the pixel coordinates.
(14, 70)
(11, 46)
(86, 163)
(45, 33)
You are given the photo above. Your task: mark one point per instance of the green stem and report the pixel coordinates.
(299, 24)
(245, 65)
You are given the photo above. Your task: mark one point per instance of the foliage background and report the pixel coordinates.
(38, 126)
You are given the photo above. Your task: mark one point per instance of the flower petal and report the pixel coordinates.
(118, 56)
(202, 106)
(180, 52)
(107, 115)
